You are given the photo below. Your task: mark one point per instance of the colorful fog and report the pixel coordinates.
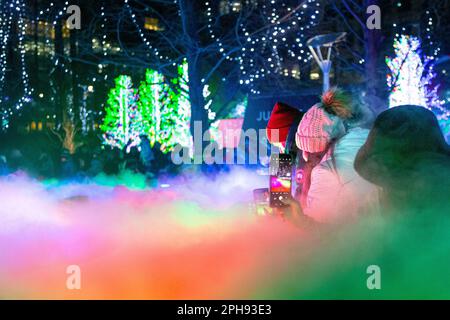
(197, 238)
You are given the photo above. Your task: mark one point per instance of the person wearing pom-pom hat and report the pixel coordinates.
(329, 136)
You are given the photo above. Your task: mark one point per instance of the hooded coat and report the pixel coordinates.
(407, 156)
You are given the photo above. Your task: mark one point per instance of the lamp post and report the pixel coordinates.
(326, 41)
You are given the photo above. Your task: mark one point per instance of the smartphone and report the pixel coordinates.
(261, 201)
(281, 166)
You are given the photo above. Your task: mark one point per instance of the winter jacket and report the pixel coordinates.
(337, 193)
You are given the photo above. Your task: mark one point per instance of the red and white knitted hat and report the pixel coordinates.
(324, 122)
(317, 129)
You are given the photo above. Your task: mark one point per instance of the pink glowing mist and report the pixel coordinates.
(197, 239)
(194, 239)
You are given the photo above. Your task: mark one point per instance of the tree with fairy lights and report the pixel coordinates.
(175, 112)
(411, 77)
(122, 125)
(165, 109)
(241, 46)
(151, 92)
(13, 25)
(268, 42)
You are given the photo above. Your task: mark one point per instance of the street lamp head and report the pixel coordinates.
(326, 40)
(315, 45)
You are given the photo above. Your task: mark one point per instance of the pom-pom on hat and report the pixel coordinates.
(280, 122)
(323, 122)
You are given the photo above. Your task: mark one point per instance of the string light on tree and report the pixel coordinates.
(122, 124)
(12, 11)
(160, 111)
(151, 92)
(141, 33)
(175, 113)
(431, 45)
(103, 26)
(411, 78)
(54, 16)
(271, 37)
(209, 102)
(165, 109)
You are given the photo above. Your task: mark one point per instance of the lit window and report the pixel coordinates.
(295, 72)
(314, 76)
(236, 6)
(152, 24)
(65, 31)
(45, 30)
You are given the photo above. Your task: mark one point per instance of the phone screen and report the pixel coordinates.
(280, 179)
(280, 184)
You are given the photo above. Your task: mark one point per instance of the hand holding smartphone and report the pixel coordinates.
(280, 179)
(261, 201)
